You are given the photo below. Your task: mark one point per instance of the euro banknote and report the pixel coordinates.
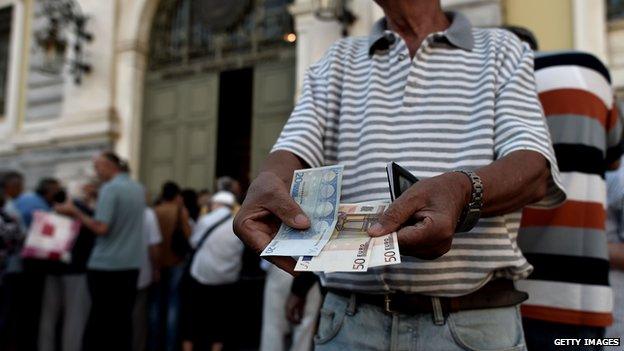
(350, 248)
(385, 251)
(317, 191)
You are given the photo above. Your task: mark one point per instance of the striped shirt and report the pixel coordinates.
(567, 245)
(466, 99)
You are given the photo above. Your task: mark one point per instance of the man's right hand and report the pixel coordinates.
(267, 205)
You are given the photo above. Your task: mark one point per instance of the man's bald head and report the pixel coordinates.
(107, 165)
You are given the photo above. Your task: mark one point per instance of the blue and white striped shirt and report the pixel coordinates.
(467, 98)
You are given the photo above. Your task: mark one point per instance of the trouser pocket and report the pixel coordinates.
(331, 318)
(492, 329)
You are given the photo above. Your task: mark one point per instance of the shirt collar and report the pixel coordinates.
(120, 176)
(459, 33)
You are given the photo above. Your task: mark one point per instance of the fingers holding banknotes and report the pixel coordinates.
(267, 205)
(425, 215)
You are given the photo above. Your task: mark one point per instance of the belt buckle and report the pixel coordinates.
(387, 303)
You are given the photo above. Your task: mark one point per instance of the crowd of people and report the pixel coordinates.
(144, 273)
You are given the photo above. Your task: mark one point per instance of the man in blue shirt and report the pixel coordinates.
(113, 267)
(29, 294)
(41, 199)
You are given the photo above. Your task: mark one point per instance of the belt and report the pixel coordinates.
(496, 293)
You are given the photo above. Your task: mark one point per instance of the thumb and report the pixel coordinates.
(288, 211)
(391, 220)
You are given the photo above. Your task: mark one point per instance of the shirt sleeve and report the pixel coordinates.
(303, 133)
(105, 208)
(154, 234)
(519, 122)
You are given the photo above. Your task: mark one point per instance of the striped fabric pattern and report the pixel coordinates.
(466, 99)
(567, 245)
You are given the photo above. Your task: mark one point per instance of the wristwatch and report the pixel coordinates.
(472, 212)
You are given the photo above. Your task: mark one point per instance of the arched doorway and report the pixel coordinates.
(219, 86)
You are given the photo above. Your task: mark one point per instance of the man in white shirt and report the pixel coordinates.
(148, 273)
(215, 268)
(219, 259)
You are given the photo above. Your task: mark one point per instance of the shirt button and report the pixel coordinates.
(401, 57)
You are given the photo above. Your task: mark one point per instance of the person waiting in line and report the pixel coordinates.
(174, 222)
(569, 292)
(203, 201)
(113, 267)
(12, 184)
(615, 235)
(190, 200)
(290, 310)
(11, 239)
(227, 183)
(457, 107)
(213, 272)
(149, 276)
(29, 297)
(66, 302)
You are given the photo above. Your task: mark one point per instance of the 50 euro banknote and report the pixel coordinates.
(350, 248)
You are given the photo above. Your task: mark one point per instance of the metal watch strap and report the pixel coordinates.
(472, 212)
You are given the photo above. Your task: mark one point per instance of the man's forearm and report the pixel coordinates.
(514, 181)
(616, 256)
(283, 164)
(96, 227)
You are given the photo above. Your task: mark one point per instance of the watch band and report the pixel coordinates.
(472, 212)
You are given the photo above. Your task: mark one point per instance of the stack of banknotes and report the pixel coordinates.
(337, 240)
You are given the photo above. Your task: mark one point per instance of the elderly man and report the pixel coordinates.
(113, 267)
(456, 106)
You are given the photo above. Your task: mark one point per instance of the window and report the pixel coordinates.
(615, 9)
(5, 42)
(187, 30)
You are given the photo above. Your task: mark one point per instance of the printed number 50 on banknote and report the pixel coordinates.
(317, 191)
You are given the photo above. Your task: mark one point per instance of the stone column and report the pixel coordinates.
(131, 52)
(314, 36)
(590, 27)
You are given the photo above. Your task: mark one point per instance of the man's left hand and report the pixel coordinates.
(425, 216)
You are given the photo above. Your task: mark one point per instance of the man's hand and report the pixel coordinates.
(295, 307)
(268, 203)
(67, 208)
(425, 216)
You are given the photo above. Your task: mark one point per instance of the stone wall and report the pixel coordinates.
(71, 163)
